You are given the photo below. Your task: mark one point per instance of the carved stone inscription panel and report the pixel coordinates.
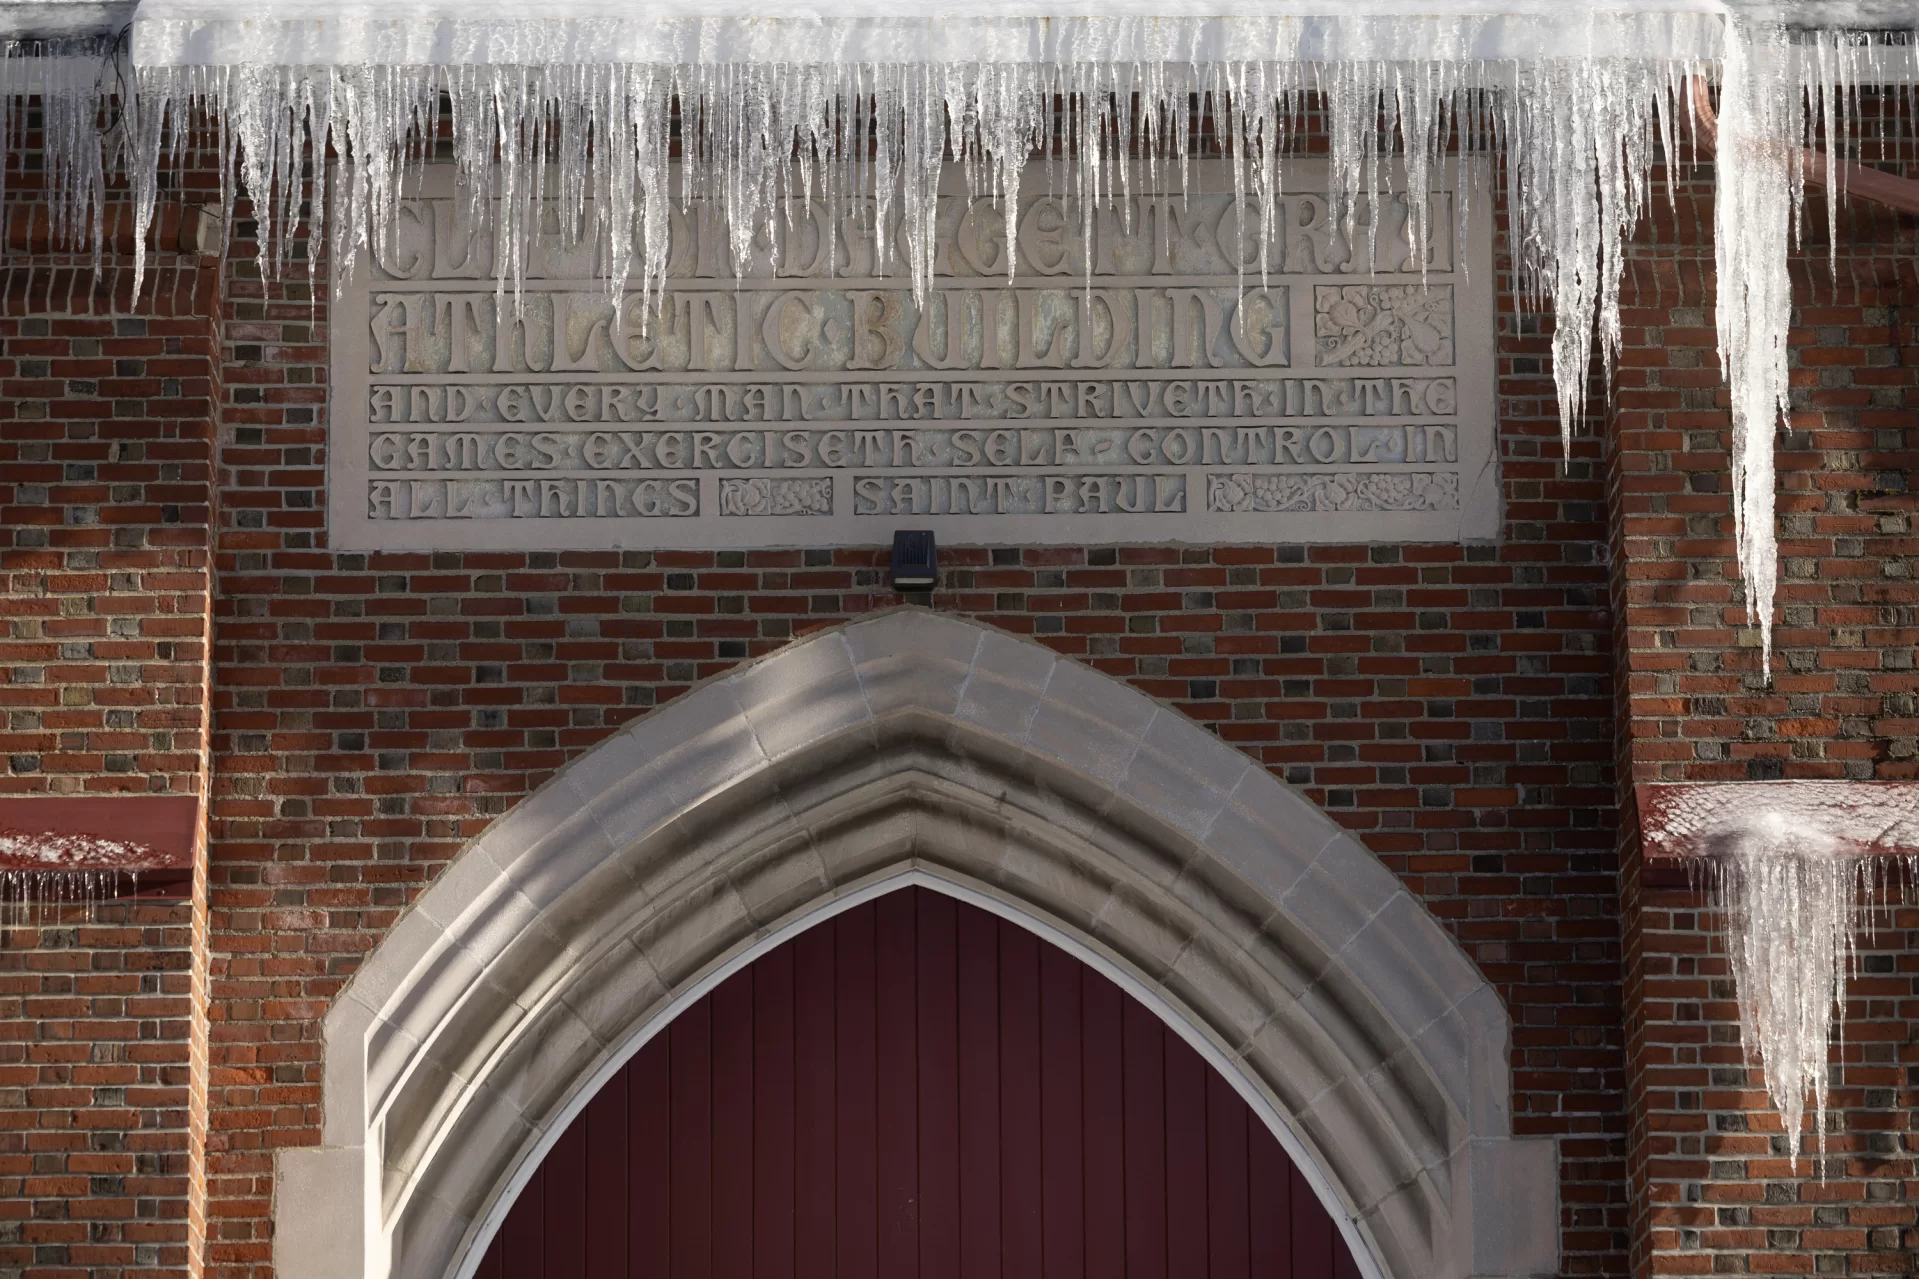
(808, 398)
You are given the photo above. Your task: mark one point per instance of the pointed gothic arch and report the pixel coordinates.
(916, 745)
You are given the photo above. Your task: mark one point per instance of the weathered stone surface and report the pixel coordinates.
(1174, 394)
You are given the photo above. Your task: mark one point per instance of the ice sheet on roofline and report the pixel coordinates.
(467, 32)
(61, 19)
(177, 32)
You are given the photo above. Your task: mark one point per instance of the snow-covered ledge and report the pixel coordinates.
(1699, 819)
(136, 833)
(1796, 867)
(79, 849)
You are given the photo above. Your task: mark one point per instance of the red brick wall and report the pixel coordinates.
(1841, 700)
(1711, 1189)
(108, 404)
(1454, 705)
(1450, 703)
(104, 470)
(93, 1093)
(106, 408)
(105, 466)
(1722, 1198)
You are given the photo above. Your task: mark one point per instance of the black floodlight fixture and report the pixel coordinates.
(916, 565)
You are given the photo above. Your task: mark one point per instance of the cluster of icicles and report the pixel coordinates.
(31, 898)
(1799, 873)
(597, 141)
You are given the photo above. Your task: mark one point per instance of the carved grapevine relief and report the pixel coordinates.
(1336, 491)
(1372, 325)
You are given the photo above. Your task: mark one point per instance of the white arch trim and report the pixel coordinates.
(912, 747)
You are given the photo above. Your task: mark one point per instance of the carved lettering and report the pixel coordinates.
(1163, 367)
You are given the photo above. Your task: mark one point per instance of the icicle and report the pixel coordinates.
(1578, 189)
(41, 874)
(1789, 897)
(34, 898)
(1797, 869)
(606, 131)
(1759, 194)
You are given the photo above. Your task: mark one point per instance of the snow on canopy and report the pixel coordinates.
(576, 105)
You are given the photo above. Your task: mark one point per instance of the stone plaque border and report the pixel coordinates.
(1220, 498)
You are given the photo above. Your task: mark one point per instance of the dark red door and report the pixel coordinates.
(917, 1089)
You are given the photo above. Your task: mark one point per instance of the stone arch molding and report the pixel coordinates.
(913, 744)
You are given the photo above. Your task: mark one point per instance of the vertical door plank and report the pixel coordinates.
(1186, 1163)
(565, 1170)
(1313, 1233)
(898, 1091)
(938, 1073)
(733, 1126)
(977, 1018)
(1063, 1158)
(1229, 1126)
(1344, 1267)
(815, 1121)
(493, 1265)
(691, 1042)
(1270, 1193)
(524, 1248)
(858, 1133)
(1144, 1083)
(1102, 1006)
(608, 1165)
(1021, 1184)
(649, 1143)
(773, 1115)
